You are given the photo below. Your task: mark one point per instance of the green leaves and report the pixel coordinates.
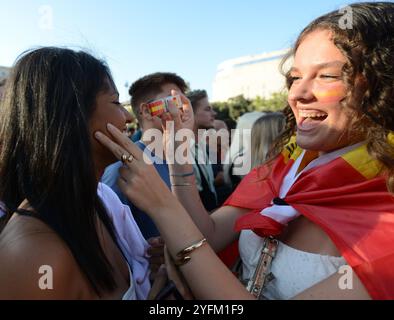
(235, 107)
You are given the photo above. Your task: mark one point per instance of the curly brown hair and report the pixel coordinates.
(368, 74)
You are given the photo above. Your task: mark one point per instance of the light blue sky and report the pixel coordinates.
(139, 37)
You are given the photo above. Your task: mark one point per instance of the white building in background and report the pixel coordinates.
(252, 76)
(4, 72)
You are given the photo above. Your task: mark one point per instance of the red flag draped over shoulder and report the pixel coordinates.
(346, 197)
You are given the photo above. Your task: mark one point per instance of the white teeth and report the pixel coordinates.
(305, 114)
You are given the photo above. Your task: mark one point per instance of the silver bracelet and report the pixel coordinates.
(181, 184)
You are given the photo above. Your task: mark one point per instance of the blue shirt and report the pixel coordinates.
(111, 176)
(136, 136)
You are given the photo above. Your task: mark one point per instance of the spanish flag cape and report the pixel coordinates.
(346, 197)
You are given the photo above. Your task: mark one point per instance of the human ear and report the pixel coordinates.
(145, 112)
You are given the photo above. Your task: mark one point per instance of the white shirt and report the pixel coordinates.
(131, 242)
(294, 270)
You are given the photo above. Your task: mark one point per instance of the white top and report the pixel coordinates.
(131, 241)
(294, 270)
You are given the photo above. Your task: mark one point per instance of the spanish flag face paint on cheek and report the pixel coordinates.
(330, 93)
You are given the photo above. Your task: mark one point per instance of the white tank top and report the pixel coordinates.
(294, 270)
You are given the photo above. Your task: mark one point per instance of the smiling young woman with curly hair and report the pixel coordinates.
(325, 198)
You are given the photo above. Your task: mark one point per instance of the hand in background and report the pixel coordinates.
(183, 119)
(156, 254)
(177, 278)
(175, 122)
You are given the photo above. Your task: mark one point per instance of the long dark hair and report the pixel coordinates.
(368, 45)
(45, 153)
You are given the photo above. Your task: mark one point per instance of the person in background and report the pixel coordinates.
(147, 89)
(204, 120)
(137, 135)
(218, 152)
(265, 132)
(240, 148)
(2, 88)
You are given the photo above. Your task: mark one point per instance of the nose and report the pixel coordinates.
(128, 117)
(301, 91)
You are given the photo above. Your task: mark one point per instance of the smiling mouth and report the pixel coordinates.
(310, 119)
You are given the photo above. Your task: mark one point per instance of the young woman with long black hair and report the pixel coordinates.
(63, 235)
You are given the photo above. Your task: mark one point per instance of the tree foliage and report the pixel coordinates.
(235, 107)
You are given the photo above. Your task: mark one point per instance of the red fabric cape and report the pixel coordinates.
(353, 208)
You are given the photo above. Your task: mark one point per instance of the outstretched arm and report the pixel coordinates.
(207, 276)
(337, 287)
(218, 227)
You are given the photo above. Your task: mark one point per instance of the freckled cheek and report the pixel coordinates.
(329, 93)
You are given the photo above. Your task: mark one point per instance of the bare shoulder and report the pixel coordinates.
(37, 264)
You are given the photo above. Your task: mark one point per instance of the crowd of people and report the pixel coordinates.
(106, 212)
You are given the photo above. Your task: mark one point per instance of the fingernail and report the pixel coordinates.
(98, 134)
(110, 126)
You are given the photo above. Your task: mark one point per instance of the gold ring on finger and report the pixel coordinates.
(130, 159)
(124, 158)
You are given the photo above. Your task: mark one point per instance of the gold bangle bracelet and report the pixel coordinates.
(191, 248)
(182, 262)
(183, 256)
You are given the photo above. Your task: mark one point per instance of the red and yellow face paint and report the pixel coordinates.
(158, 107)
(330, 93)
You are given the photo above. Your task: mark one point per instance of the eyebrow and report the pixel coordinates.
(323, 65)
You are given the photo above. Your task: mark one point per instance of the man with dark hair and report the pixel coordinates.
(204, 116)
(152, 87)
(145, 90)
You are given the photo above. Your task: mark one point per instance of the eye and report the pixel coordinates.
(330, 76)
(117, 103)
(294, 78)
